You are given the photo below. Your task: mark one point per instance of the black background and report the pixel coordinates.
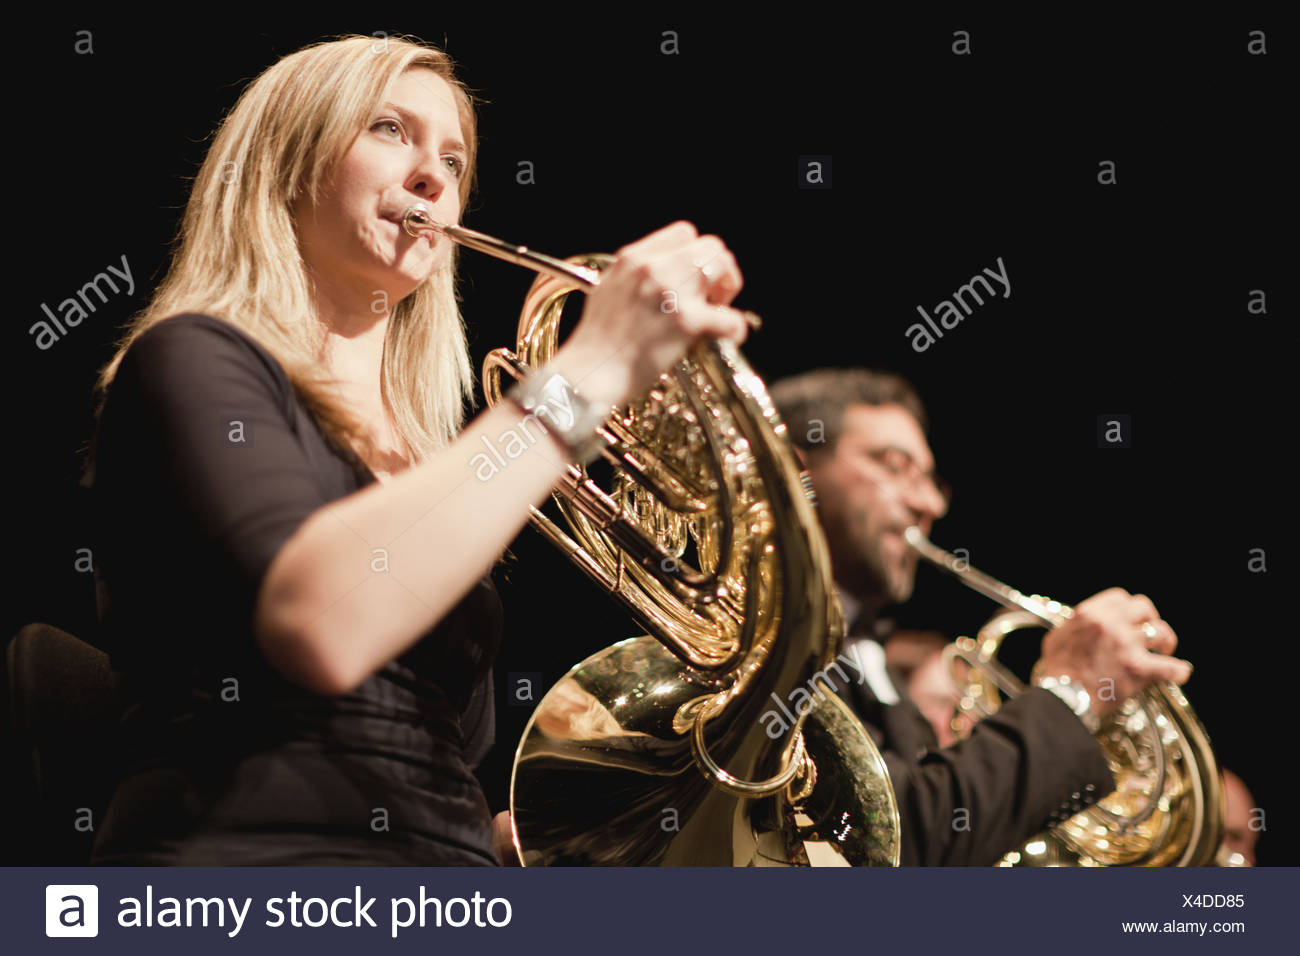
(1127, 298)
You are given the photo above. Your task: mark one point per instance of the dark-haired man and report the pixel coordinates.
(861, 435)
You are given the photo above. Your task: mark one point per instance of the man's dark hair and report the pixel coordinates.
(812, 404)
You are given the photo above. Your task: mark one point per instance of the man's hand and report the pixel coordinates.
(1114, 645)
(502, 841)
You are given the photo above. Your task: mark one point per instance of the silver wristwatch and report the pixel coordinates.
(563, 412)
(1075, 697)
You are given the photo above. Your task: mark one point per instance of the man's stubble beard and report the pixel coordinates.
(871, 572)
(894, 578)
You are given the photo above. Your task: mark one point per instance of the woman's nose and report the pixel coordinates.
(431, 180)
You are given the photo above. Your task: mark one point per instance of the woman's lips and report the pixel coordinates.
(427, 235)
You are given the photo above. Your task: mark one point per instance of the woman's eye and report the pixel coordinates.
(388, 125)
(457, 166)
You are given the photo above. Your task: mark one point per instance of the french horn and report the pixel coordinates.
(714, 739)
(1167, 807)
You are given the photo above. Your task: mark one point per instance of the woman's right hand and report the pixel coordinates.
(658, 297)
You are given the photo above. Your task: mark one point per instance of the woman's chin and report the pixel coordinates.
(406, 275)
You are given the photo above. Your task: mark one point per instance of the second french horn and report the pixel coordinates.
(1167, 807)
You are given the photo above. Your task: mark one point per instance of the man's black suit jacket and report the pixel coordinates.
(1021, 771)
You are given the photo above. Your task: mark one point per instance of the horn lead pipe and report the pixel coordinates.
(417, 221)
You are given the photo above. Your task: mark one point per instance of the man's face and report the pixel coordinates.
(878, 480)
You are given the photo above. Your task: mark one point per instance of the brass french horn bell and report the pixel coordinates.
(1167, 808)
(674, 748)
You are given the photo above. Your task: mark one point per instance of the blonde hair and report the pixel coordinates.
(237, 255)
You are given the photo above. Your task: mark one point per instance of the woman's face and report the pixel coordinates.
(412, 150)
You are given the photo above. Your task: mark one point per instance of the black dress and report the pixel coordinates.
(205, 463)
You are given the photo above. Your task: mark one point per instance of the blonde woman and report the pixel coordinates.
(294, 523)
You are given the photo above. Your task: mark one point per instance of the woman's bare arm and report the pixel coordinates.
(364, 577)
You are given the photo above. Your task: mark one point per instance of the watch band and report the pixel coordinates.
(563, 411)
(1075, 697)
